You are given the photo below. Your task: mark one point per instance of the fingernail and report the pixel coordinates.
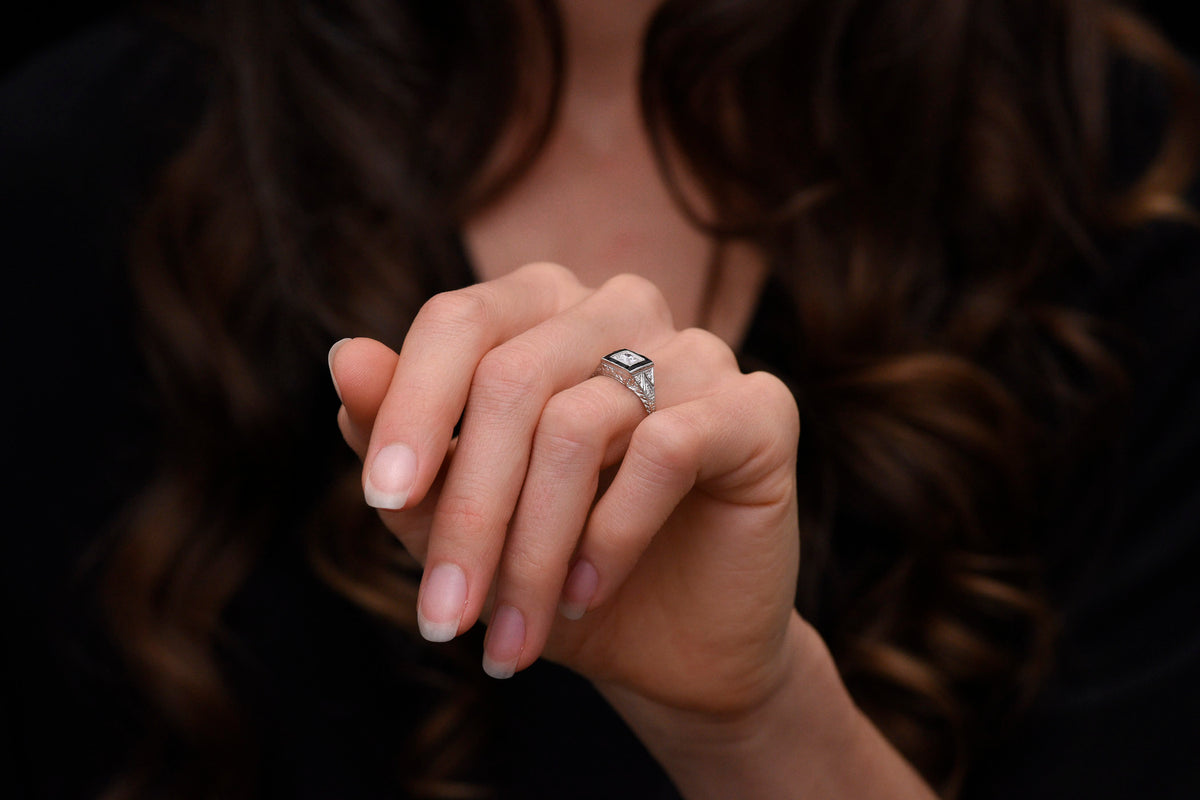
(504, 642)
(333, 377)
(391, 477)
(579, 590)
(442, 602)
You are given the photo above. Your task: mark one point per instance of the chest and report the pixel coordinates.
(601, 208)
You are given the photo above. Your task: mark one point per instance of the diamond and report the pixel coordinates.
(627, 357)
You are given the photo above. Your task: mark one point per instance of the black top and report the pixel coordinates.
(82, 130)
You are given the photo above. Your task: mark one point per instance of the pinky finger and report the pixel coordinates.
(658, 471)
(747, 461)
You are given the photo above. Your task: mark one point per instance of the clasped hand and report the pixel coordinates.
(655, 553)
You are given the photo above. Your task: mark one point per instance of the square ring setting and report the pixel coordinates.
(634, 371)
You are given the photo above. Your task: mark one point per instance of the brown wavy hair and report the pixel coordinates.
(922, 177)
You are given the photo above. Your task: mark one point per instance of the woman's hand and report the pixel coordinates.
(671, 580)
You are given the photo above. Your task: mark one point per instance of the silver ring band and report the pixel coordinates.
(633, 371)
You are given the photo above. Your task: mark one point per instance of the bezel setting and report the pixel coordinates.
(634, 371)
(629, 361)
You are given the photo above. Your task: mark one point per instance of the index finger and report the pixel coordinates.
(429, 387)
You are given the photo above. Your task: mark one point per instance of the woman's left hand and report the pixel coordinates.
(672, 579)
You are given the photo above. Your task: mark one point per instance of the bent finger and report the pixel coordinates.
(508, 395)
(432, 377)
(575, 437)
(361, 370)
(743, 459)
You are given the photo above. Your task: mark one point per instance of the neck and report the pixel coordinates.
(603, 40)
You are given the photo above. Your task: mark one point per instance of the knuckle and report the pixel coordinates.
(465, 309)
(668, 443)
(769, 392)
(528, 565)
(709, 348)
(464, 513)
(640, 293)
(567, 434)
(565, 452)
(507, 375)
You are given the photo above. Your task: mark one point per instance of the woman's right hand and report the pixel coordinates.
(683, 613)
(676, 581)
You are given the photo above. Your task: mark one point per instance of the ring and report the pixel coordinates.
(634, 371)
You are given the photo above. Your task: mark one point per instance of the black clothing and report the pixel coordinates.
(83, 129)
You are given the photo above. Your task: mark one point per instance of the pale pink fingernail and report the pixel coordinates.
(442, 602)
(579, 590)
(391, 477)
(504, 642)
(333, 377)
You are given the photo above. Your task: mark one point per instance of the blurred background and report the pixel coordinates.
(41, 23)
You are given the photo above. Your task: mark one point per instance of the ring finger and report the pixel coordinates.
(582, 430)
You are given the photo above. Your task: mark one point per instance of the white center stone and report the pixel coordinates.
(627, 357)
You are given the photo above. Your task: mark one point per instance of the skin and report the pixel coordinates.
(704, 490)
(657, 555)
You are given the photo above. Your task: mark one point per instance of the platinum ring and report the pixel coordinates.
(633, 371)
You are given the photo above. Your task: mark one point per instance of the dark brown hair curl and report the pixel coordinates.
(919, 175)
